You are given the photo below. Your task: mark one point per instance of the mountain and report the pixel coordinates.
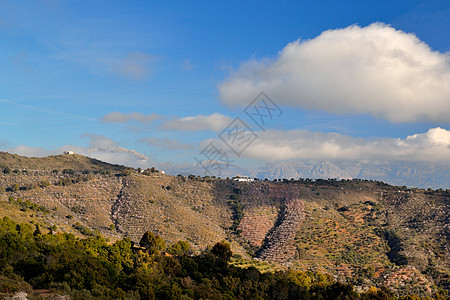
(362, 232)
(281, 170)
(298, 169)
(412, 174)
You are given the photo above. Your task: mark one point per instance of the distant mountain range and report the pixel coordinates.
(412, 174)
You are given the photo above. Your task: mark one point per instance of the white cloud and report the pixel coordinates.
(31, 151)
(276, 145)
(375, 69)
(118, 117)
(165, 143)
(435, 136)
(118, 155)
(215, 122)
(99, 140)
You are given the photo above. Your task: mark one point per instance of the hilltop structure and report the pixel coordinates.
(243, 179)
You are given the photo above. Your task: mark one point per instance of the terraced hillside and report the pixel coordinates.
(157, 202)
(361, 232)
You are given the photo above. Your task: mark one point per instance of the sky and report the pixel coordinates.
(172, 80)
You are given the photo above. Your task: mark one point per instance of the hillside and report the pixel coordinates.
(75, 162)
(365, 233)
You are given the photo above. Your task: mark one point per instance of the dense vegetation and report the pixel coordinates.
(92, 268)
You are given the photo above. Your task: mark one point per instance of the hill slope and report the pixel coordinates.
(75, 162)
(362, 232)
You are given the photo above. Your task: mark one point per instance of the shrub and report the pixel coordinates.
(6, 170)
(15, 187)
(68, 171)
(44, 183)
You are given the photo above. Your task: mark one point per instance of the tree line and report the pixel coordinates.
(93, 268)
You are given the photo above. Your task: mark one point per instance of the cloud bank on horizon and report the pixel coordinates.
(374, 70)
(278, 145)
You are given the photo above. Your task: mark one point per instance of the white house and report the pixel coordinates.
(243, 179)
(68, 152)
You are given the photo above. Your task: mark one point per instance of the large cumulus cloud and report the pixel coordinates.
(375, 70)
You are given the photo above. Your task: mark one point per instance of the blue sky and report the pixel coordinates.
(138, 74)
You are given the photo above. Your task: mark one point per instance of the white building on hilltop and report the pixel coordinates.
(68, 152)
(243, 179)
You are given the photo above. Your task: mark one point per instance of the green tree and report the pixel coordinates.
(153, 243)
(222, 250)
(181, 248)
(170, 265)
